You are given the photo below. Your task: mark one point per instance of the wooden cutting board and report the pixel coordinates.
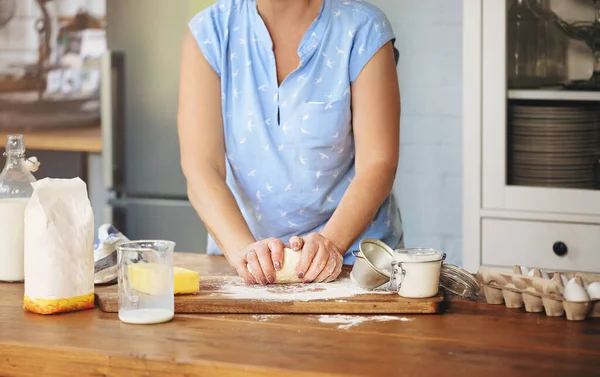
(223, 292)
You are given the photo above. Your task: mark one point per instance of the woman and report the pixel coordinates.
(289, 130)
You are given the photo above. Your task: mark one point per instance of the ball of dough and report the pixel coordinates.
(288, 274)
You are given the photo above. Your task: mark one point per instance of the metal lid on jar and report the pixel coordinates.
(459, 281)
(417, 255)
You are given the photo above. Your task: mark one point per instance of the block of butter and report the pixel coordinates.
(146, 278)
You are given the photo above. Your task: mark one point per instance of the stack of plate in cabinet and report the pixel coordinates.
(554, 145)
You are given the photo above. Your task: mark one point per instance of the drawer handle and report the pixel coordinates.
(560, 248)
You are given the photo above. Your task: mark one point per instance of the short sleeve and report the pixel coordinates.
(369, 38)
(204, 28)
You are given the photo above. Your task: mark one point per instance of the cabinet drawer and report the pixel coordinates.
(531, 243)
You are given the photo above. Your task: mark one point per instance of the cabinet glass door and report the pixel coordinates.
(541, 108)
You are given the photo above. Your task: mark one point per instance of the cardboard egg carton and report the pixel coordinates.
(539, 291)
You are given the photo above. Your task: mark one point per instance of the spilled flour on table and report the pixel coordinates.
(237, 289)
(348, 321)
(265, 317)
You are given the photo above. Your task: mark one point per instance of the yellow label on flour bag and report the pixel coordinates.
(59, 247)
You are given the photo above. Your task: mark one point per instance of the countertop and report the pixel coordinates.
(469, 339)
(86, 140)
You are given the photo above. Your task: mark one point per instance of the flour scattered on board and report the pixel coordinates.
(237, 289)
(348, 321)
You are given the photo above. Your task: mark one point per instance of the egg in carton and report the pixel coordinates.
(576, 294)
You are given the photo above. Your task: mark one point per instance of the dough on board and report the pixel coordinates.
(288, 274)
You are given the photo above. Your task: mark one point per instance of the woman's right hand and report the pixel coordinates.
(257, 262)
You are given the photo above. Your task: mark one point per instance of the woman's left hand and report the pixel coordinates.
(321, 259)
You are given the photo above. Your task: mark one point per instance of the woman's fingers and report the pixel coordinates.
(327, 270)
(296, 243)
(309, 250)
(276, 247)
(338, 269)
(318, 264)
(266, 264)
(254, 266)
(243, 272)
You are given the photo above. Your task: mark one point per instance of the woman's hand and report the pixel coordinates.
(257, 262)
(321, 259)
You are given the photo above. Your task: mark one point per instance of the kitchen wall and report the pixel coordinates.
(429, 182)
(19, 39)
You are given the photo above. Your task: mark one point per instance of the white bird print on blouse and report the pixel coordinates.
(207, 41)
(242, 41)
(330, 199)
(319, 174)
(337, 13)
(322, 211)
(262, 87)
(337, 134)
(250, 126)
(335, 175)
(242, 140)
(383, 24)
(361, 49)
(280, 147)
(376, 26)
(284, 128)
(302, 210)
(302, 77)
(333, 147)
(305, 116)
(284, 104)
(288, 187)
(316, 189)
(347, 91)
(266, 147)
(329, 105)
(252, 173)
(314, 35)
(350, 179)
(351, 33)
(292, 225)
(346, 2)
(329, 64)
(302, 160)
(329, 96)
(248, 63)
(317, 81)
(236, 28)
(235, 93)
(387, 223)
(283, 214)
(340, 150)
(269, 187)
(235, 73)
(230, 156)
(323, 156)
(259, 196)
(340, 51)
(258, 218)
(235, 168)
(233, 56)
(302, 130)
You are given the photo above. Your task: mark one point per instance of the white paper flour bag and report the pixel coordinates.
(59, 247)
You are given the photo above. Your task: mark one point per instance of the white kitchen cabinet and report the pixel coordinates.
(505, 224)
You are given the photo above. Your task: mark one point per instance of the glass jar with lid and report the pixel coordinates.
(15, 192)
(521, 46)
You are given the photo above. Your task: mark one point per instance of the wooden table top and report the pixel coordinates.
(87, 139)
(470, 339)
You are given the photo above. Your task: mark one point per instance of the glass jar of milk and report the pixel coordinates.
(15, 192)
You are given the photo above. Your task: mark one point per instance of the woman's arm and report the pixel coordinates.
(201, 138)
(375, 121)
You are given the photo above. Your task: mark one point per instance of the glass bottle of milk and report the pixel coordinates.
(15, 192)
